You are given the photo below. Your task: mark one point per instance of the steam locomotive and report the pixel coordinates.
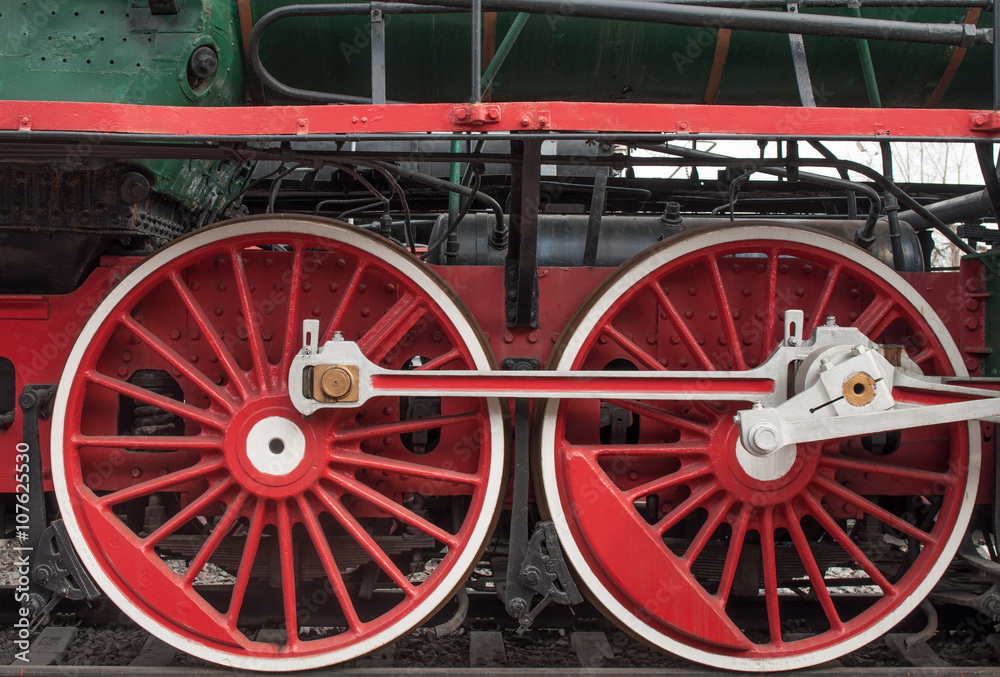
(325, 317)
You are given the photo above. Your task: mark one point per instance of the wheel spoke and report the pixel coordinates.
(186, 514)
(293, 322)
(771, 299)
(867, 506)
(200, 470)
(286, 556)
(632, 349)
(203, 416)
(643, 450)
(874, 316)
(817, 512)
(682, 329)
(147, 443)
(250, 548)
(364, 492)
(685, 474)
(261, 366)
(725, 313)
(322, 546)
(715, 516)
(671, 419)
(451, 356)
(236, 375)
(408, 426)
(391, 327)
(812, 569)
(770, 570)
(740, 528)
(211, 544)
(847, 463)
(819, 311)
(178, 363)
(924, 355)
(365, 540)
(372, 462)
(685, 507)
(338, 316)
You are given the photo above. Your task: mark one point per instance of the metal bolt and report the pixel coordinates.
(133, 187)
(764, 437)
(831, 321)
(338, 336)
(204, 62)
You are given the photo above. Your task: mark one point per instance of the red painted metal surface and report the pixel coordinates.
(562, 290)
(678, 489)
(225, 320)
(302, 121)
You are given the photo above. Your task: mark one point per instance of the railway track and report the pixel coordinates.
(105, 643)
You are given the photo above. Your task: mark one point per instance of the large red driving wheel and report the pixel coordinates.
(661, 520)
(176, 449)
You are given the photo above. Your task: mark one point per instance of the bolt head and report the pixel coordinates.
(204, 62)
(764, 437)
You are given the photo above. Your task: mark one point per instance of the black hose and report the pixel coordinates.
(875, 202)
(892, 209)
(432, 247)
(499, 236)
(852, 199)
(358, 210)
(857, 167)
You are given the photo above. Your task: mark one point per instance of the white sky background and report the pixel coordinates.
(912, 162)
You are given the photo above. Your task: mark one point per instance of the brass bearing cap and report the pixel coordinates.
(336, 382)
(859, 389)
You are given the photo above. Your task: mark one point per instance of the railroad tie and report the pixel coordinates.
(50, 646)
(155, 653)
(919, 655)
(592, 648)
(383, 657)
(486, 649)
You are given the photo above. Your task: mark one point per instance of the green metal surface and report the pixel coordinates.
(557, 58)
(117, 51)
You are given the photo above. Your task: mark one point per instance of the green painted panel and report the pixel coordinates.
(117, 51)
(558, 58)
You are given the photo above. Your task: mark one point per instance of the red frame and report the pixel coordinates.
(562, 116)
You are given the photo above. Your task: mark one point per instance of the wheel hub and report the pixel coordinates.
(274, 447)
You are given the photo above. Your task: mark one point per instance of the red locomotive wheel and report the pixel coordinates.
(176, 451)
(770, 569)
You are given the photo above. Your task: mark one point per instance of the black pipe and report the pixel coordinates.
(874, 202)
(958, 35)
(857, 167)
(953, 210)
(891, 208)
(347, 9)
(984, 153)
(806, 4)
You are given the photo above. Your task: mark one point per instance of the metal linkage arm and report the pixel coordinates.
(340, 376)
(859, 393)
